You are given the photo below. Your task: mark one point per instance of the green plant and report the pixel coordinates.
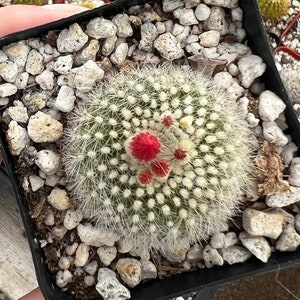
(158, 152)
(273, 9)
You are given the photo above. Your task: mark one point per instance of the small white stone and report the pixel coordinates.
(130, 271)
(72, 218)
(71, 249)
(178, 251)
(63, 64)
(4, 101)
(71, 39)
(7, 89)
(195, 253)
(9, 71)
(212, 257)
(92, 267)
(294, 178)
(223, 3)
(109, 45)
(124, 245)
(230, 239)
(257, 245)
(168, 46)
(237, 49)
(217, 20)
(148, 270)
(52, 180)
(237, 14)
(148, 35)
(63, 278)
(49, 218)
(171, 5)
(88, 52)
(140, 249)
(89, 280)
(43, 128)
(289, 240)
(281, 200)
(273, 133)
(223, 80)
(109, 287)
(209, 38)
(48, 161)
(119, 55)
(107, 254)
(64, 263)
(65, 100)
(81, 255)
(59, 199)
(217, 240)
(124, 28)
(185, 16)
(252, 120)
(100, 28)
(288, 153)
(235, 254)
(202, 12)
(36, 182)
(34, 64)
(270, 106)
(45, 80)
(3, 57)
(94, 236)
(251, 67)
(17, 138)
(18, 113)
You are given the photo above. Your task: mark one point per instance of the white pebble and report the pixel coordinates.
(100, 28)
(294, 178)
(63, 278)
(81, 255)
(72, 218)
(185, 16)
(7, 89)
(17, 138)
(119, 55)
(36, 182)
(59, 199)
(63, 64)
(148, 270)
(130, 271)
(92, 267)
(48, 161)
(209, 38)
(202, 12)
(235, 254)
(281, 200)
(289, 240)
(273, 133)
(107, 254)
(45, 80)
(65, 100)
(124, 28)
(212, 257)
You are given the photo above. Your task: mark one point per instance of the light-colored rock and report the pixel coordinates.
(160, 27)
(120, 54)
(257, 245)
(273, 133)
(64, 263)
(212, 257)
(237, 14)
(109, 45)
(217, 240)
(36, 100)
(95, 236)
(107, 254)
(63, 64)
(3, 57)
(130, 271)
(185, 16)
(224, 3)
(168, 46)
(148, 270)
(289, 240)
(125, 244)
(52, 180)
(238, 49)
(195, 253)
(259, 223)
(141, 250)
(124, 28)
(294, 178)
(144, 17)
(243, 106)
(63, 278)
(58, 232)
(18, 113)
(148, 35)
(281, 200)
(171, 5)
(48, 161)
(7, 89)
(71, 39)
(72, 218)
(34, 64)
(4, 101)
(100, 28)
(49, 219)
(270, 106)
(252, 120)
(251, 67)
(81, 255)
(71, 249)
(89, 280)
(235, 254)
(92, 267)
(45, 80)
(17, 52)
(223, 80)
(9, 71)
(58, 198)
(65, 100)
(191, 3)
(87, 76)
(17, 138)
(202, 12)
(36, 182)
(88, 52)
(209, 38)
(288, 153)
(43, 128)
(109, 287)
(217, 20)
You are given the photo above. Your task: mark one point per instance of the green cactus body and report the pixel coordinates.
(158, 152)
(273, 9)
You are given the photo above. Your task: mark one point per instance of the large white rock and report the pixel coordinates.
(130, 271)
(17, 138)
(81, 255)
(65, 100)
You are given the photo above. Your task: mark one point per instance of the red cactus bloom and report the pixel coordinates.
(180, 154)
(144, 146)
(160, 168)
(145, 177)
(167, 121)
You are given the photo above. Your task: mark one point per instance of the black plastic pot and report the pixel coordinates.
(205, 280)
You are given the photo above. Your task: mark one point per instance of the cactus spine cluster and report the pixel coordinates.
(158, 152)
(273, 9)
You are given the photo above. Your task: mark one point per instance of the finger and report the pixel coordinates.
(15, 18)
(34, 295)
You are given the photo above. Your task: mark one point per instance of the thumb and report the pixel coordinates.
(15, 18)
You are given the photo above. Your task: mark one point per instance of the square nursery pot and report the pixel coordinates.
(204, 280)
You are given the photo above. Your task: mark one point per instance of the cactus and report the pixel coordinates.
(156, 153)
(273, 9)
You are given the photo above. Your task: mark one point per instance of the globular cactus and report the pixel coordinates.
(156, 153)
(273, 9)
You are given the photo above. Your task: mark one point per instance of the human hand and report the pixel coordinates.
(15, 18)
(34, 295)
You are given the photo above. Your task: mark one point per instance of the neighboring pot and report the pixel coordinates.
(206, 280)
